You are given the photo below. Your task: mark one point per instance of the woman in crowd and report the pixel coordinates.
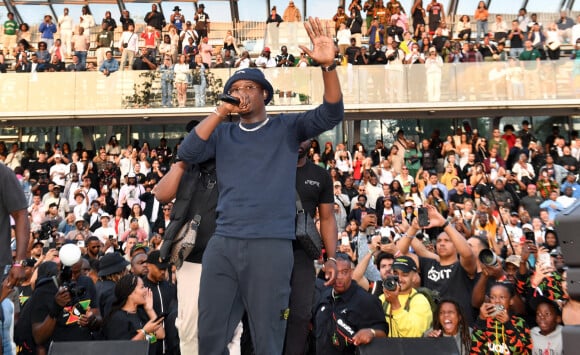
(397, 192)
(552, 243)
(416, 195)
(464, 28)
(230, 43)
(166, 48)
(464, 150)
(303, 61)
(418, 15)
(396, 159)
(113, 148)
(132, 316)
(448, 146)
(137, 212)
(181, 70)
(449, 321)
(174, 35)
(480, 16)
(328, 153)
(413, 157)
(480, 149)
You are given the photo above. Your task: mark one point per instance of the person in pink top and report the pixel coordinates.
(206, 51)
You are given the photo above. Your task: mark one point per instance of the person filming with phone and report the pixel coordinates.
(451, 269)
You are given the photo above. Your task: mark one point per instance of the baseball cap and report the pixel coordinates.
(139, 246)
(514, 260)
(405, 264)
(154, 259)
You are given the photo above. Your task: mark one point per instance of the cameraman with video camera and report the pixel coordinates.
(62, 308)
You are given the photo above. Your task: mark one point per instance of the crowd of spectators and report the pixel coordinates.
(395, 37)
(104, 205)
(500, 194)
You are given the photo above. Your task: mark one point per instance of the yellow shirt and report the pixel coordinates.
(412, 323)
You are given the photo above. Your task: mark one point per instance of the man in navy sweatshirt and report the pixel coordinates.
(256, 173)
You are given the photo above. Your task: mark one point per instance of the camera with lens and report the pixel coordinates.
(47, 230)
(75, 290)
(488, 258)
(391, 283)
(66, 281)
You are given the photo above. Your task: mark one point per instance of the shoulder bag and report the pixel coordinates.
(306, 232)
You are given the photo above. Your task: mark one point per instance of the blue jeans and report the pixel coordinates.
(166, 93)
(8, 346)
(481, 30)
(199, 91)
(82, 57)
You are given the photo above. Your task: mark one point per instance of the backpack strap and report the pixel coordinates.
(408, 303)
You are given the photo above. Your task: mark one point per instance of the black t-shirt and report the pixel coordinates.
(67, 327)
(457, 198)
(39, 169)
(350, 52)
(516, 41)
(451, 281)
(314, 186)
(532, 205)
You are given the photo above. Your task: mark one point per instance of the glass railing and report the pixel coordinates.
(364, 87)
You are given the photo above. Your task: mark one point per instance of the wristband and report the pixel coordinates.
(329, 68)
(374, 332)
(502, 278)
(445, 225)
(332, 259)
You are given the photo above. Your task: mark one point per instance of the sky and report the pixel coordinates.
(255, 10)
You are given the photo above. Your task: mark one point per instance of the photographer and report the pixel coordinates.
(408, 312)
(65, 312)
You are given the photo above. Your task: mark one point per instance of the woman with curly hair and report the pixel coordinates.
(449, 321)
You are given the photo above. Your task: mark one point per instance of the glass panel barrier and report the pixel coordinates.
(364, 87)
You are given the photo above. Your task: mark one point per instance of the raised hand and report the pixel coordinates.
(323, 48)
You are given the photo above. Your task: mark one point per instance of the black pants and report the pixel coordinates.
(301, 299)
